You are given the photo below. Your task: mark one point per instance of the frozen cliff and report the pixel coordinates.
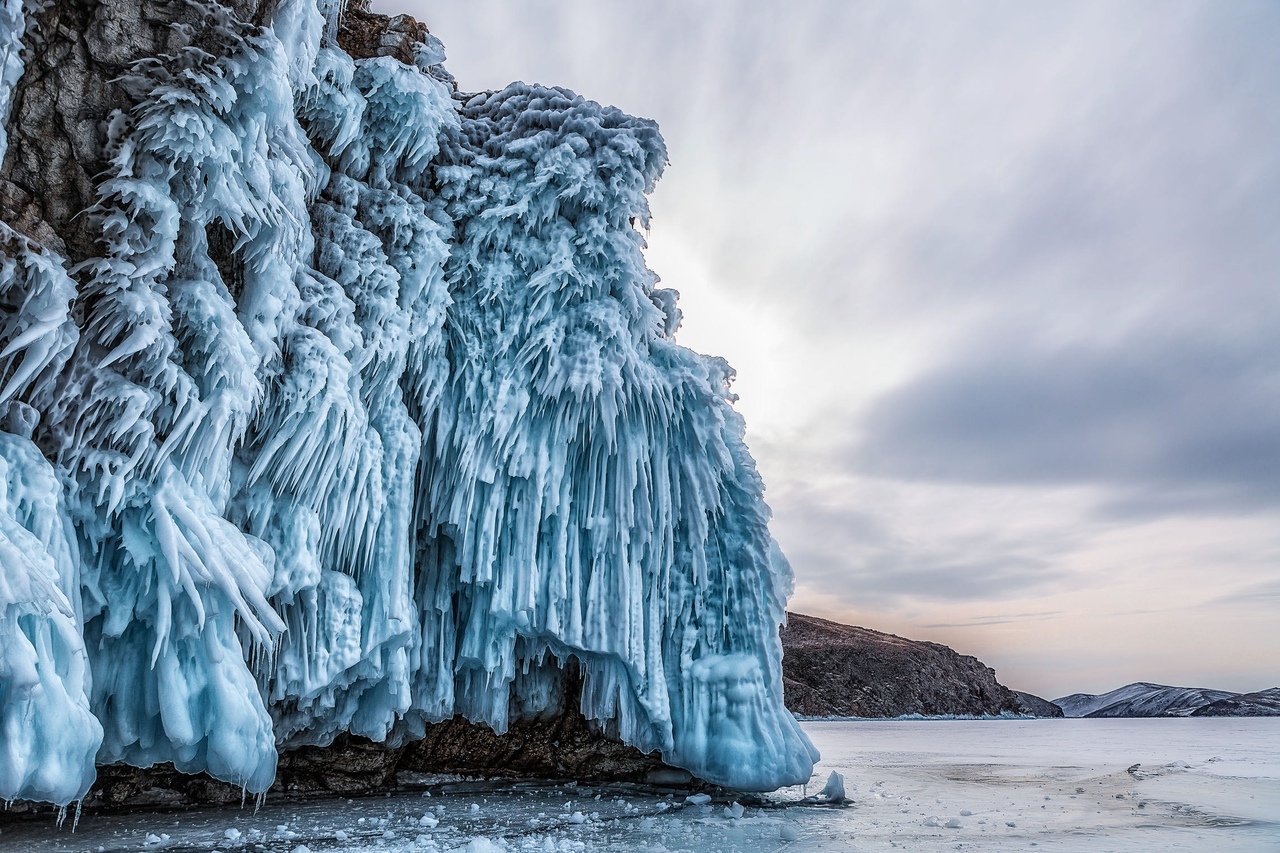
(335, 402)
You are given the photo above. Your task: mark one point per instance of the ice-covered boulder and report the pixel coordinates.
(354, 408)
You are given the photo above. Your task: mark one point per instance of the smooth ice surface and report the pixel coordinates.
(1013, 785)
(368, 414)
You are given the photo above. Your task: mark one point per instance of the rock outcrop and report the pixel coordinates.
(1037, 705)
(834, 670)
(559, 744)
(365, 34)
(77, 54)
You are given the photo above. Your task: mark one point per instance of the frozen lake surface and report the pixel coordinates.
(1096, 785)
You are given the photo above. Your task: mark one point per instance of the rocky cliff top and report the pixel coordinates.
(830, 669)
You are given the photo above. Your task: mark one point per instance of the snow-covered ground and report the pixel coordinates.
(1097, 785)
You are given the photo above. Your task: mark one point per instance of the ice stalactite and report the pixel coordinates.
(48, 736)
(589, 491)
(202, 222)
(368, 414)
(335, 453)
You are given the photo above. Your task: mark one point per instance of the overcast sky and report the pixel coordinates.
(1001, 281)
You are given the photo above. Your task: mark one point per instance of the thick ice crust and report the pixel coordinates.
(367, 413)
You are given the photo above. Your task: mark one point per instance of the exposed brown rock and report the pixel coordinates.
(559, 744)
(831, 669)
(364, 34)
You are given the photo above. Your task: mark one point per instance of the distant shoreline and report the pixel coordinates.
(806, 718)
(942, 718)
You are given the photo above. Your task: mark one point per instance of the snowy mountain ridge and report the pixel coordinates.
(334, 401)
(1260, 703)
(1142, 699)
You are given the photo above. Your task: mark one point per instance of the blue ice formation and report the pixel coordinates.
(367, 414)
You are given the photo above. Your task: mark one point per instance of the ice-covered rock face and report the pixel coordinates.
(366, 414)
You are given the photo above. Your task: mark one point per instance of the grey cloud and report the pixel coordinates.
(1181, 426)
(1006, 619)
(890, 576)
(1265, 594)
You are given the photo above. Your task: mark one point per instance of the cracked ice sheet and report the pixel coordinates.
(1064, 784)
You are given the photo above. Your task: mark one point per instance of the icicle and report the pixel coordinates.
(589, 475)
(373, 417)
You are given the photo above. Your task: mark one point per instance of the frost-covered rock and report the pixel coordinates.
(352, 407)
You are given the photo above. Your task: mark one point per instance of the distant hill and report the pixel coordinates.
(835, 670)
(1143, 699)
(1263, 703)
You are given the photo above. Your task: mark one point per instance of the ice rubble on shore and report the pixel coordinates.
(370, 414)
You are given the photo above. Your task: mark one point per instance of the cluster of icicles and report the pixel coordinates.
(370, 415)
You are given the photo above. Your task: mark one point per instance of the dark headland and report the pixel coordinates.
(835, 670)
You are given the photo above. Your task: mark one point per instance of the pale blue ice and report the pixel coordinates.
(369, 414)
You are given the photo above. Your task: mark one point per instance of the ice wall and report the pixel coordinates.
(48, 736)
(367, 413)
